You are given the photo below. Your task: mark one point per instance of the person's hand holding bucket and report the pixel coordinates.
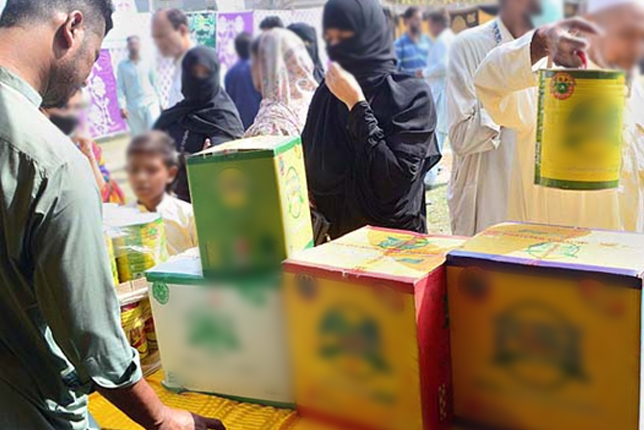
(562, 42)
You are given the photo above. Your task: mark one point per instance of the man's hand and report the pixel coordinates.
(561, 42)
(142, 405)
(344, 86)
(124, 113)
(183, 420)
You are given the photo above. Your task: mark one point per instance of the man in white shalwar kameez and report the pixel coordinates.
(506, 83)
(482, 150)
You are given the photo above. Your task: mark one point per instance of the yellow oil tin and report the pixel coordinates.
(110, 253)
(139, 245)
(133, 324)
(579, 132)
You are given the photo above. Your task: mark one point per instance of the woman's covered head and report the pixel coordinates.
(282, 66)
(358, 37)
(200, 80)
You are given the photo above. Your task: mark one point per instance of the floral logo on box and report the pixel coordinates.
(352, 340)
(161, 292)
(294, 193)
(538, 346)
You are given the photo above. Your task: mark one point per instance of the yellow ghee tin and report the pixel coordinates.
(150, 330)
(110, 253)
(133, 323)
(579, 132)
(139, 245)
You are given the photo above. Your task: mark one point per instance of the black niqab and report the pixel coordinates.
(206, 107)
(207, 112)
(369, 55)
(367, 166)
(309, 36)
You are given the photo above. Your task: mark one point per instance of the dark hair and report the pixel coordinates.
(176, 17)
(242, 45)
(25, 12)
(133, 37)
(410, 12)
(155, 143)
(271, 22)
(438, 16)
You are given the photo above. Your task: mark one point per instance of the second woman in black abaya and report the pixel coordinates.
(369, 138)
(207, 115)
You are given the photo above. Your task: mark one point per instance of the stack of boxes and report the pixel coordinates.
(544, 322)
(136, 242)
(220, 316)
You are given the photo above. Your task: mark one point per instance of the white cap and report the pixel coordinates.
(595, 6)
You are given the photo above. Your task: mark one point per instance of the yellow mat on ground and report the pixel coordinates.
(236, 416)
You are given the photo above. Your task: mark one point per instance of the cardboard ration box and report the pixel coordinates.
(369, 330)
(546, 328)
(251, 203)
(223, 337)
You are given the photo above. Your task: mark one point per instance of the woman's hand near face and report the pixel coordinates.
(344, 86)
(84, 143)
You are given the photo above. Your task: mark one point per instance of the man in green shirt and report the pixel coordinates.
(60, 332)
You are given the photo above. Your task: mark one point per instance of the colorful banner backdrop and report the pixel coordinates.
(203, 26)
(229, 25)
(103, 116)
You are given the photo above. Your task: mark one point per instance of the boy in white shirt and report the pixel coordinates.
(152, 166)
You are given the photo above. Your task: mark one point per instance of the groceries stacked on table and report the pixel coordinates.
(521, 327)
(136, 242)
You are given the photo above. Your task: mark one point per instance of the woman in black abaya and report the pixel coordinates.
(369, 137)
(207, 116)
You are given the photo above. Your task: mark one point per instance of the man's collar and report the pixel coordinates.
(18, 84)
(505, 33)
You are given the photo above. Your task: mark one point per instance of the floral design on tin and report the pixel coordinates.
(562, 86)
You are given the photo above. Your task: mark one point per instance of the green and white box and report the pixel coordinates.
(251, 203)
(223, 337)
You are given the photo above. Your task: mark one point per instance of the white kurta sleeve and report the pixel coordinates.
(471, 129)
(506, 71)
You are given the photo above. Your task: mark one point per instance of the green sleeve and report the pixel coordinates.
(73, 283)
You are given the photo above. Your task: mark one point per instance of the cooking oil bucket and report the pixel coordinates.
(579, 132)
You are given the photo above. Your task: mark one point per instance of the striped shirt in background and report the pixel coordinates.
(412, 56)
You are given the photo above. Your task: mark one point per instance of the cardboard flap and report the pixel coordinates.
(270, 144)
(600, 251)
(393, 254)
(186, 266)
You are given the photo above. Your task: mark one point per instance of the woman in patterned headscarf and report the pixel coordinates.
(283, 73)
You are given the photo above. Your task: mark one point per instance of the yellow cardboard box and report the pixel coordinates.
(368, 330)
(546, 328)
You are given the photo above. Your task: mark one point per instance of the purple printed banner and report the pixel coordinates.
(229, 25)
(103, 116)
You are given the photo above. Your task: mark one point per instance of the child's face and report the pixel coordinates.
(149, 176)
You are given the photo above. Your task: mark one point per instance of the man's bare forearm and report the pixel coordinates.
(139, 402)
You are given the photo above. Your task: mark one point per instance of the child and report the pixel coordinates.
(152, 167)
